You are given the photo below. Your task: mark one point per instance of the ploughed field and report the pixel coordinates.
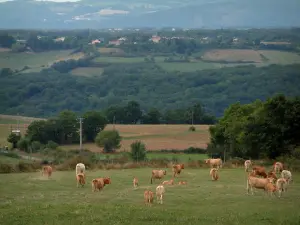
(29, 198)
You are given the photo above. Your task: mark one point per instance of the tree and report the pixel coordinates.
(69, 125)
(152, 117)
(109, 140)
(6, 41)
(138, 151)
(13, 139)
(133, 112)
(93, 123)
(23, 144)
(36, 146)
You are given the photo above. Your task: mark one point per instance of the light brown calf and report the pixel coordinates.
(214, 163)
(80, 177)
(135, 182)
(177, 169)
(182, 183)
(214, 174)
(281, 185)
(148, 197)
(270, 188)
(247, 164)
(168, 182)
(256, 182)
(47, 170)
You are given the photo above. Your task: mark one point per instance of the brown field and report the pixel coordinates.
(110, 50)
(157, 137)
(5, 49)
(233, 55)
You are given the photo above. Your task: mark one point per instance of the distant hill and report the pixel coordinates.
(146, 13)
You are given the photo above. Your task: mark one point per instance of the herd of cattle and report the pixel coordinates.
(257, 178)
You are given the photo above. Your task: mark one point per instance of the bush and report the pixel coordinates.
(36, 146)
(52, 145)
(192, 128)
(109, 140)
(138, 151)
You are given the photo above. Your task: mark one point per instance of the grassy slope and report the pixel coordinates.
(31, 199)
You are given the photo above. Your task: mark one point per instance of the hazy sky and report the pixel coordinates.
(47, 0)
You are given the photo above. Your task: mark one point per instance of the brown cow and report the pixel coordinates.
(99, 183)
(47, 170)
(256, 182)
(272, 174)
(135, 182)
(158, 174)
(260, 171)
(214, 174)
(177, 169)
(214, 162)
(270, 188)
(80, 177)
(148, 197)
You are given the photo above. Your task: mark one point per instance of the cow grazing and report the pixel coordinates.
(80, 177)
(168, 182)
(158, 174)
(256, 182)
(287, 175)
(270, 188)
(281, 186)
(177, 169)
(47, 170)
(214, 174)
(260, 171)
(247, 164)
(135, 182)
(214, 163)
(277, 167)
(182, 183)
(99, 183)
(148, 197)
(272, 174)
(80, 168)
(160, 190)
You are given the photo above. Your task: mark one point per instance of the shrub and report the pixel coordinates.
(192, 128)
(52, 145)
(13, 139)
(109, 140)
(36, 146)
(23, 144)
(138, 151)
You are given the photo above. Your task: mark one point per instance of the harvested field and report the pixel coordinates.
(110, 50)
(233, 55)
(157, 137)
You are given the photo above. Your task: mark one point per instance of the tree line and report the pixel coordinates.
(260, 129)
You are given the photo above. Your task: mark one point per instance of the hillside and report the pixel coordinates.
(49, 92)
(138, 13)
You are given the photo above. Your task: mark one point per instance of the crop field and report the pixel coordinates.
(32, 199)
(87, 71)
(36, 61)
(248, 55)
(110, 50)
(157, 137)
(106, 59)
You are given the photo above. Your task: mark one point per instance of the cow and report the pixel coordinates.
(80, 168)
(80, 177)
(168, 182)
(260, 171)
(214, 162)
(277, 167)
(247, 164)
(99, 183)
(177, 169)
(281, 186)
(214, 174)
(158, 174)
(287, 175)
(148, 197)
(256, 182)
(135, 182)
(272, 174)
(182, 183)
(270, 188)
(160, 190)
(47, 170)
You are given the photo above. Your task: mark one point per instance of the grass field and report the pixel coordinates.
(34, 60)
(110, 50)
(87, 71)
(157, 137)
(29, 198)
(263, 57)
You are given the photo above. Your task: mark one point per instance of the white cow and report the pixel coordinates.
(287, 175)
(247, 164)
(160, 190)
(80, 168)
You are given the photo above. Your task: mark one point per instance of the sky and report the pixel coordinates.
(47, 0)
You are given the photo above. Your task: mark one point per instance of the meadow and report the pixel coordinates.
(29, 198)
(36, 61)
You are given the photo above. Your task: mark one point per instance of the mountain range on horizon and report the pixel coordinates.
(210, 14)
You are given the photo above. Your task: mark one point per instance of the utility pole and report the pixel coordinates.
(114, 120)
(192, 117)
(80, 122)
(18, 123)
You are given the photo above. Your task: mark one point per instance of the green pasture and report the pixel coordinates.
(29, 198)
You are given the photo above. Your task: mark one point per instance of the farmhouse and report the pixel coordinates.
(155, 39)
(115, 42)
